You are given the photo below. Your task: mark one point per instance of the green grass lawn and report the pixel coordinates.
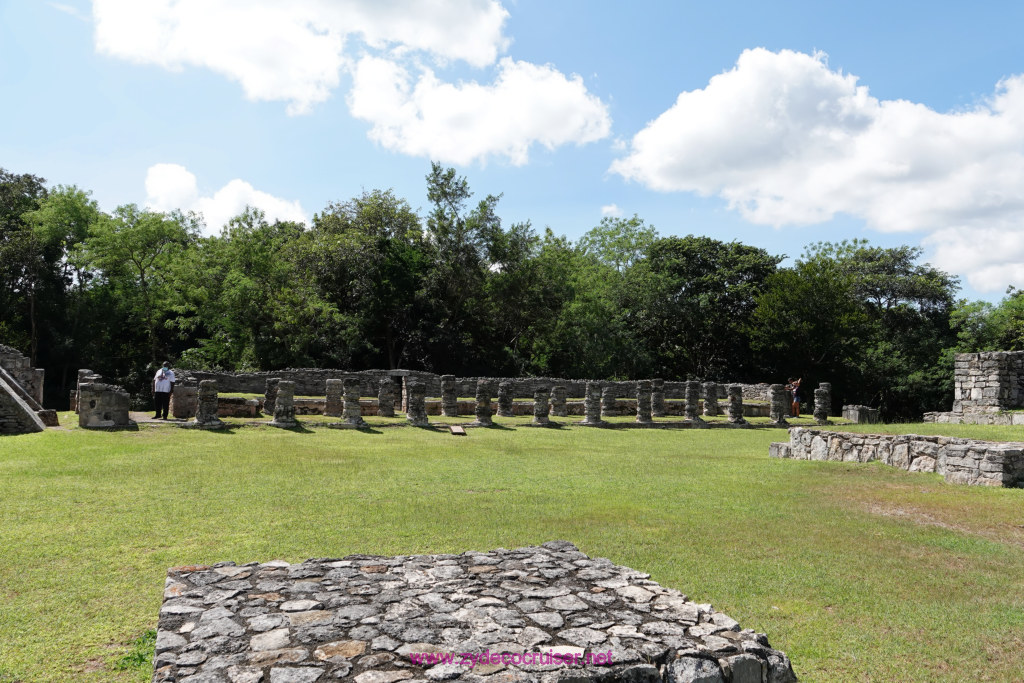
(858, 572)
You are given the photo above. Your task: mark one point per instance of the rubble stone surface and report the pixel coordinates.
(504, 615)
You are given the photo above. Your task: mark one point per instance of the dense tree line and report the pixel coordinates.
(370, 284)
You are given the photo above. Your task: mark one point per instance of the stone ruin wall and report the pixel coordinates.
(960, 461)
(985, 387)
(359, 618)
(21, 395)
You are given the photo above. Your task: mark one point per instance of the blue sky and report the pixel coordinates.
(777, 124)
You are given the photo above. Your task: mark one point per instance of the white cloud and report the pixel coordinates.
(611, 210)
(70, 9)
(787, 141)
(460, 123)
(172, 186)
(293, 51)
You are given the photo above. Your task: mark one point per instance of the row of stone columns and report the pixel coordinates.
(599, 402)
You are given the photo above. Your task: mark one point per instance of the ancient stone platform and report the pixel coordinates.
(366, 619)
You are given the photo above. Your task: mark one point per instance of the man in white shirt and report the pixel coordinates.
(163, 382)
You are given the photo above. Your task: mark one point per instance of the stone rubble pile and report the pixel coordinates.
(361, 618)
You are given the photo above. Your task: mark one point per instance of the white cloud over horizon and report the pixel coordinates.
(612, 210)
(461, 123)
(295, 51)
(785, 140)
(172, 186)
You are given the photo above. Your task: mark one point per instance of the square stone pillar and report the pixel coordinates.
(541, 406)
(284, 405)
(658, 398)
(333, 408)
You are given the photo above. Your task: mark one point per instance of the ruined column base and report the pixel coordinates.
(284, 424)
(348, 425)
(593, 423)
(208, 424)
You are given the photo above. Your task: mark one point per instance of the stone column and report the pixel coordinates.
(483, 403)
(558, 407)
(284, 405)
(541, 406)
(592, 406)
(823, 403)
(99, 405)
(711, 399)
(692, 402)
(386, 398)
(779, 405)
(334, 389)
(643, 402)
(658, 398)
(353, 412)
(270, 395)
(736, 404)
(449, 398)
(206, 411)
(608, 402)
(505, 399)
(416, 394)
(184, 401)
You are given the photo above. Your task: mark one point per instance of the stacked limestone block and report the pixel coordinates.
(103, 406)
(643, 403)
(207, 411)
(483, 404)
(449, 396)
(779, 405)
(736, 405)
(692, 408)
(333, 406)
(416, 411)
(541, 407)
(558, 406)
(988, 382)
(711, 399)
(505, 400)
(386, 399)
(658, 398)
(592, 406)
(270, 395)
(960, 461)
(284, 405)
(362, 618)
(822, 403)
(608, 396)
(16, 415)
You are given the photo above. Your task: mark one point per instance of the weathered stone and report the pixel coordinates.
(711, 399)
(333, 406)
(417, 408)
(643, 402)
(101, 406)
(449, 398)
(386, 398)
(592, 406)
(270, 395)
(693, 402)
(822, 403)
(779, 405)
(658, 398)
(284, 406)
(483, 403)
(735, 392)
(352, 411)
(608, 397)
(207, 413)
(558, 407)
(505, 399)
(541, 406)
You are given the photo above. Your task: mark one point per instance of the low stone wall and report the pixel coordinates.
(556, 615)
(996, 417)
(16, 416)
(960, 461)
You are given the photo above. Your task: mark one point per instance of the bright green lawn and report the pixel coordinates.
(859, 572)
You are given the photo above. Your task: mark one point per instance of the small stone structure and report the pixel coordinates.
(449, 397)
(333, 406)
(558, 407)
(366, 619)
(711, 399)
(658, 398)
(103, 406)
(184, 401)
(736, 404)
(822, 403)
(416, 411)
(987, 388)
(693, 402)
(960, 461)
(16, 415)
(860, 414)
(779, 405)
(505, 399)
(208, 407)
(608, 394)
(270, 395)
(21, 395)
(541, 407)
(483, 404)
(592, 406)
(353, 412)
(284, 405)
(386, 400)
(643, 403)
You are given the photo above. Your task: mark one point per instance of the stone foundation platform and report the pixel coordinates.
(547, 613)
(960, 461)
